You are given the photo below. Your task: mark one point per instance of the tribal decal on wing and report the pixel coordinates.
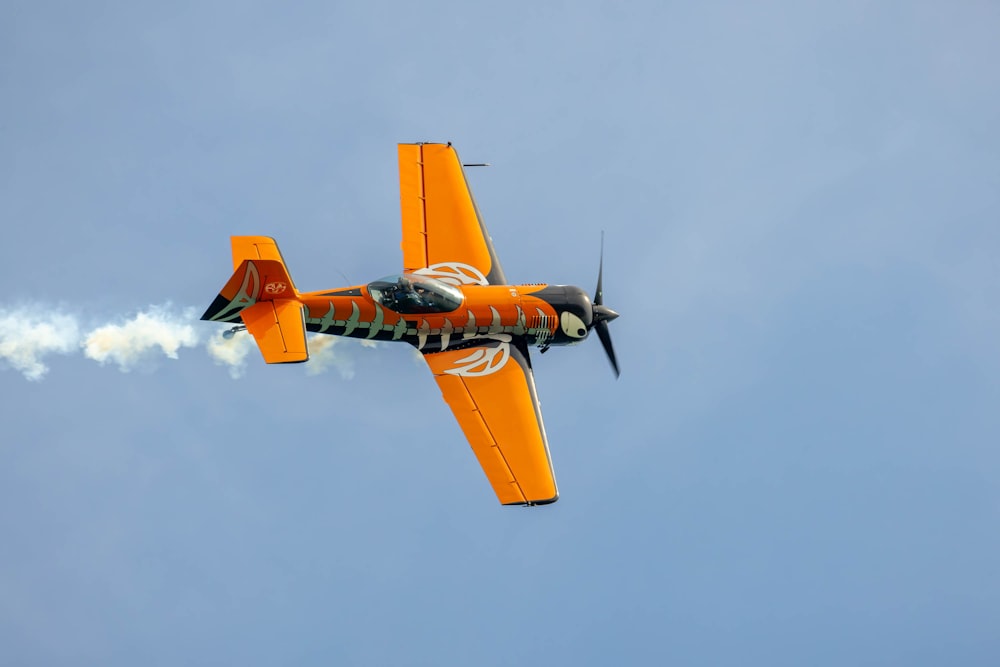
(454, 273)
(484, 360)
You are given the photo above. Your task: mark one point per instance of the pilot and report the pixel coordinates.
(403, 289)
(407, 298)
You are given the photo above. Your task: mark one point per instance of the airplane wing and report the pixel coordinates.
(443, 233)
(491, 390)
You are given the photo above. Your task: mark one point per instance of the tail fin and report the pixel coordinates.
(262, 294)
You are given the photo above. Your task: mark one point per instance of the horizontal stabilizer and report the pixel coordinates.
(279, 327)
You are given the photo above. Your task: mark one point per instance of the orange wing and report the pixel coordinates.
(491, 390)
(442, 230)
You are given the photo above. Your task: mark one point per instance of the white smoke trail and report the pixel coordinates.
(230, 352)
(135, 341)
(27, 335)
(322, 357)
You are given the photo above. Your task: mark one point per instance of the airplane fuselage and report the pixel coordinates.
(539, 314)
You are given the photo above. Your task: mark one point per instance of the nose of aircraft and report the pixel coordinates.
(604, 314)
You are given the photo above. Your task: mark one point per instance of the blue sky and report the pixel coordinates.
(799, 464)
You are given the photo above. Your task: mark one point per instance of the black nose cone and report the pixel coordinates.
(604, 314)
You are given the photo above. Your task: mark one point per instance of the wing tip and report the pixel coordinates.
(533, 503)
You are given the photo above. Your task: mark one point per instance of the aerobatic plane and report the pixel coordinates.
(452, 302)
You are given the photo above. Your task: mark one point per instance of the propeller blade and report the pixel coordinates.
(601, 327)
(603, 315)
(599, 292)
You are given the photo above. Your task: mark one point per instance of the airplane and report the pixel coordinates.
(452, 302)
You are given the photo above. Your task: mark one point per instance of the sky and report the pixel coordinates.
(798, 465)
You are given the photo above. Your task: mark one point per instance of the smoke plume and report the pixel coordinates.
(27, 337)
(141, 338)
(230, 352)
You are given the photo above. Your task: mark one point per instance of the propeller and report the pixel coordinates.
(603, 315)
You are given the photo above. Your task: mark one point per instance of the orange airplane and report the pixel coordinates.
(452, 302)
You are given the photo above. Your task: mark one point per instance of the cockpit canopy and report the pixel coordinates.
(413, 293)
